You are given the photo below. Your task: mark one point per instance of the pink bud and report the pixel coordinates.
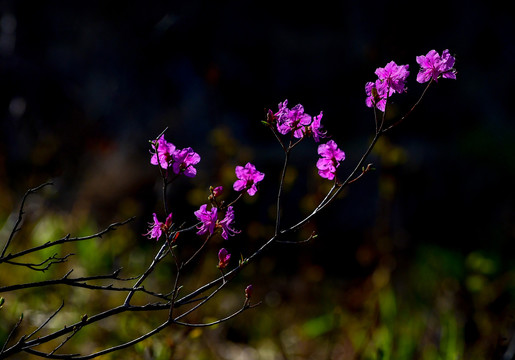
(223, 258)
(217, 191)
(248, 291)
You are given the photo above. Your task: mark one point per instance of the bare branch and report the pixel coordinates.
(65, 239)
(20, 215)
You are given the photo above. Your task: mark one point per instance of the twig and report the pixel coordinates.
(16, 326)
(45, 322)
(65, 239)
(20, 215)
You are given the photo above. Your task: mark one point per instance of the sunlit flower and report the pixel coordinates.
(330, 159)
(162, 153)
(248, 177)
(208, 219)
(157, 228)
(226, 224)
(432, 66)
(183, 161)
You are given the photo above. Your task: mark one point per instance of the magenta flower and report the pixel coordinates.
(183, 161)
(248, 177)
(223, 258)
(293, 120)
(163, 154)
(391, 79)
(282, 112)
(296, 120)
(330, 159)
(226, 224)
(375, 96)
(208, 219)
(157, 228)
(315, 129)
(432, 66)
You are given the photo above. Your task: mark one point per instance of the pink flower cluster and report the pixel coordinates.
(296, 120)
(181, 161)
(392, 78)
(248, 177)
(210, 222)
(157, 228)
(330, 159)
(432, 66)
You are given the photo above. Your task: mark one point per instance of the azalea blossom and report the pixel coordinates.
(315, 129)
(293, 120)
(157, 228)
(390, 80)
(376, 95)
(331, 156)
(208, 219)
(223, 258)
(248, 177)
(163, 153)
(226, 224)
(393, 77)
(296, 120)
(432, 66)
(183, 161)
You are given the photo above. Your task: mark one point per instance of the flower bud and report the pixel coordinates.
(223, 258)
(248, 292)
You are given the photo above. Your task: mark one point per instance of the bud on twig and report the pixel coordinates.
(248, 292)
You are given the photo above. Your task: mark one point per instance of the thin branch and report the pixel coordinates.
(147, 272)
(279, 192)
(197, 252)
(20, 215)
(410, 110)
(45, 322)
(25, 345)
(82, 283)
(65, 239)
(16, 326)
(245, 307)
(44, 265)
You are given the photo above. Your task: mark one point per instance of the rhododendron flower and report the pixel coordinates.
(248, 177)
(391, 79)
(208, 219)
(293, 120)
(223, 258)
(163, 155)
(315, 128)
(432, 66)
(157, 228)
(375, 97)
(226, 222)
(330, 159)
(296, 120)
(183, 161)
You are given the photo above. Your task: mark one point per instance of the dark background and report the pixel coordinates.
(85, 85)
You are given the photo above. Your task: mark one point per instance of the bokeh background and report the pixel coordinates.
(414, 260)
